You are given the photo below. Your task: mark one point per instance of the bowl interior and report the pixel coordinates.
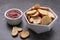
(43, 25)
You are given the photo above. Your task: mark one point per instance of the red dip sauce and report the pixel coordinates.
(13, 14)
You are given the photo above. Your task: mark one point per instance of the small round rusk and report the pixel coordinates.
(32, 8)
(36, 20)
(36, 6)
(43, 12)
(45, 9)
(35, 15)
(20, 29)
(24, 34)
(31, 19)
(14, 31)
(46, 20)
(50, 14)
(31, 12)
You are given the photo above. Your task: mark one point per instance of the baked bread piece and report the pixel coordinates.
(50, 14)
(20, 29)
(31, 20)
(24, 34)
(14, 31)
(31, 12)
(46, 20)
(35, 7)
(44, 9)
(35, 20)
(32, 8)
(43, 12)
(35, 15)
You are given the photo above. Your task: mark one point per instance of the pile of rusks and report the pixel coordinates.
(39, 15)
(23, 33)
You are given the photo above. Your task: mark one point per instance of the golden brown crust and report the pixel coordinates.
(24, 34)
(51, 15)
(46, 20)
(20, 29)
(45, 9)
(42, 12)
(14, 31)
(35, 20)
(31, 12)
(35, 15)
(36, 6)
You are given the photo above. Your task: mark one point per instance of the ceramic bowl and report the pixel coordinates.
(13, 21)
(41, 28)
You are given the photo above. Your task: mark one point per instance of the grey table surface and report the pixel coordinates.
(5, 29)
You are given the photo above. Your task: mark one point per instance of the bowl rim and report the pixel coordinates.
(13, 18)
(42, 25)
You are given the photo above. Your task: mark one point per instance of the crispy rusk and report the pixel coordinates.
(51, 15)
(31, 20)
(32, 8)
(36, 20)
(24, 34)
(20, 29)
(46, 20)
(31, 12)
(36, 6)
(35, 15)
(14, 31)
(43, 12)
(45, 9)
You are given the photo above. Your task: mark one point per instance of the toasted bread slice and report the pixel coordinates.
(45, 9)
(36, 6)
(35, 15)
(51, 15)
(31, 19)
(14, 31)
(20, 29)
(32, 8)
(36, 20)
(31, 12)
(43, 12)
(24, 34)
(46, 20)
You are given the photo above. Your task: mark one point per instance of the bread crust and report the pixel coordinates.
(46, 20)
(24, 34)
(31, 12)
(14, 31)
